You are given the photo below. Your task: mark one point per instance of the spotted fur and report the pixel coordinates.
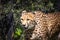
(47, 25)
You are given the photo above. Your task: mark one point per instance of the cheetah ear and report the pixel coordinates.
(24, 11)
(33, 12)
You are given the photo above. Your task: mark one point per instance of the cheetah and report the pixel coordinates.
(41, 26)
(28, 23)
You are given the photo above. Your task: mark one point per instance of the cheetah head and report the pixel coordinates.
(27, 20)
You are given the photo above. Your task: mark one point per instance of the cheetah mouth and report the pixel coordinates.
(28, 27)
(24, 27)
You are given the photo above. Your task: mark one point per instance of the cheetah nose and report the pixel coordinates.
(24, 25)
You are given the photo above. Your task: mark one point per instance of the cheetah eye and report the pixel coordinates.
(28, 19)
(21, 19)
